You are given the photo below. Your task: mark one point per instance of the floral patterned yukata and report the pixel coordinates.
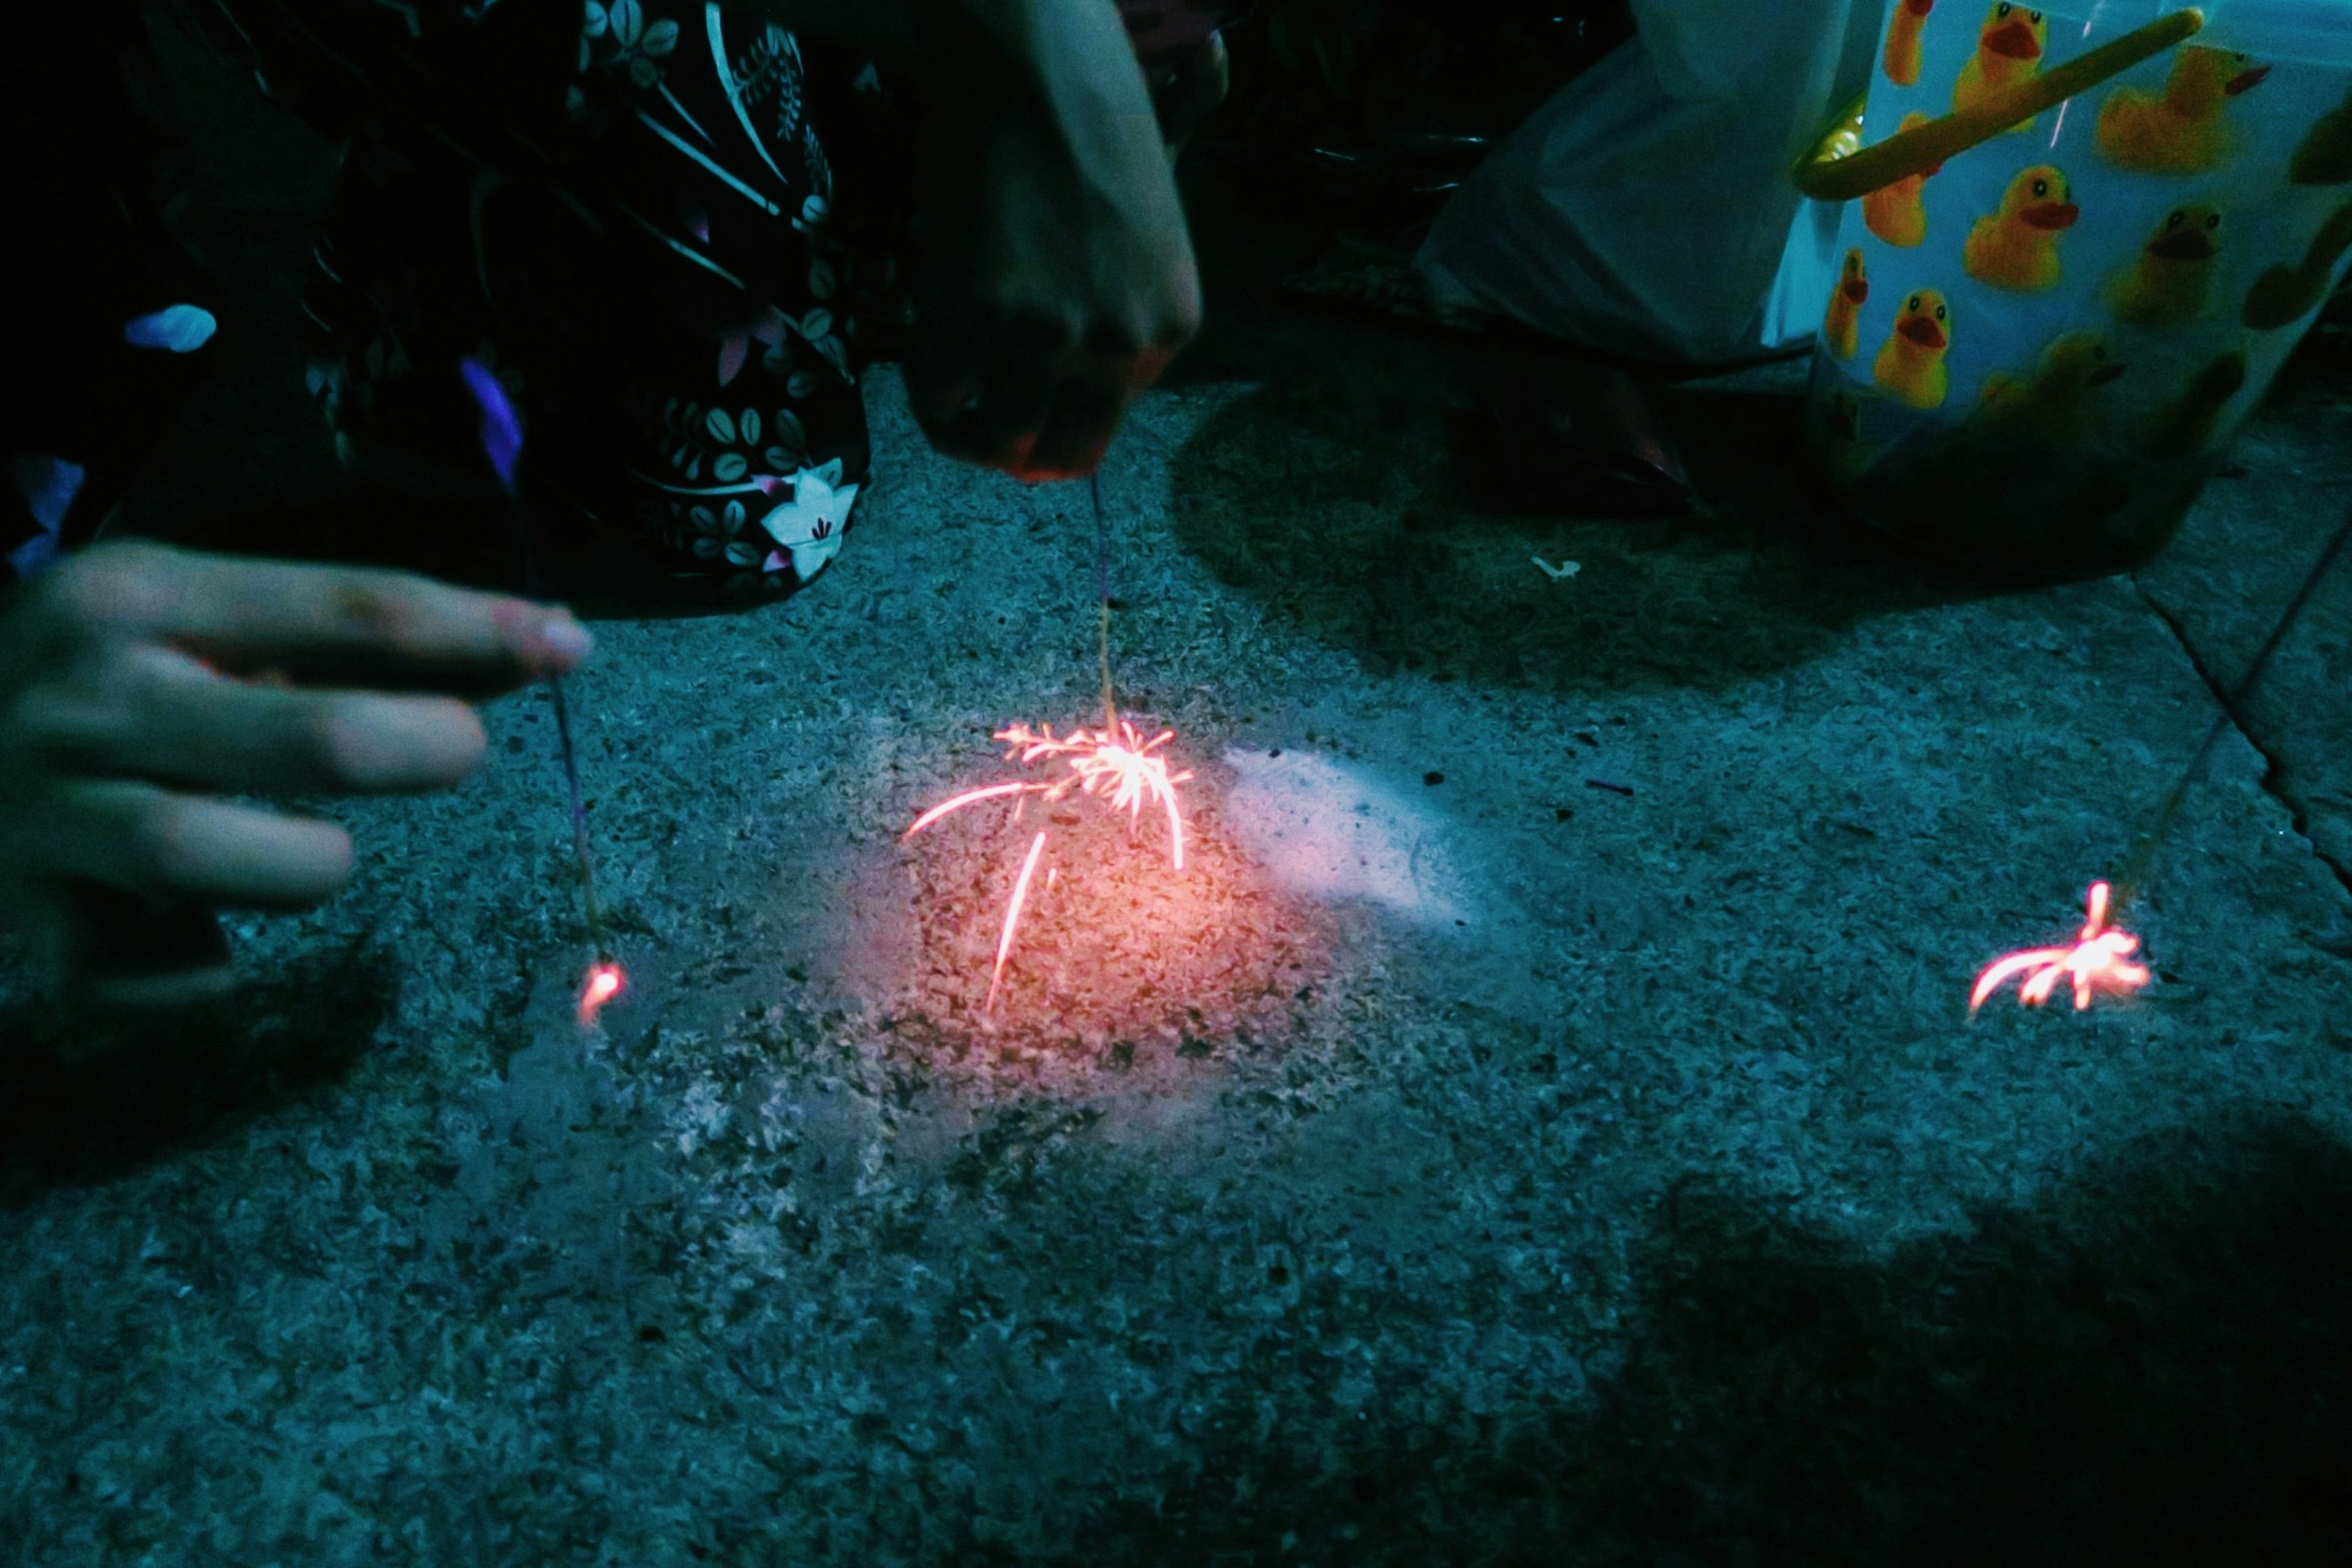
(623, 207)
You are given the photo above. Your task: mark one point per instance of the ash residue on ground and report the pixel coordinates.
(1118, 954)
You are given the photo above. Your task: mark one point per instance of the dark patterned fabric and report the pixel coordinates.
(89, 174)
(626, 210)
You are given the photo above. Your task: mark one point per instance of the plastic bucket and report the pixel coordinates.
(2080, 245)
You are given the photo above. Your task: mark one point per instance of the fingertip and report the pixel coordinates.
(139, 956)
(540, 641)
(172, 993)
(469, 742)
(1033, 473)
(311, 861)
(1085, 420)
(333, 861)
(564, 643)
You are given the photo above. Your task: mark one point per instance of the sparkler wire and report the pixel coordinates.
(569, 752)
(502, 439)
(2100, 957)
(2139, 869)
(1102, 593)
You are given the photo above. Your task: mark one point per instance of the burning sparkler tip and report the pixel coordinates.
(2098, 961)
(605, 981)
(1114, 764)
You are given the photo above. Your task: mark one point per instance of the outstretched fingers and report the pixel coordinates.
(361, 625)
(145, 839)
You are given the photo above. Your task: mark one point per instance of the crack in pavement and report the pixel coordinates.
(2273, 766)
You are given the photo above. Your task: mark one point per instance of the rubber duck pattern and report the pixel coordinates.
(1910, 366)
(2129, 289)
(2324, 157)
(2289, 291)
(1841, 328)
(2010, 46)
(1897, 212)
(2171, 279)
(2061, 396)
(2016, 249)
(1901, 56)
(2184, 129)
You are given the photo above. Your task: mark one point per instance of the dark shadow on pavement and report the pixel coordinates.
(2154, 1366)
(1341, 506)
(173, 1082)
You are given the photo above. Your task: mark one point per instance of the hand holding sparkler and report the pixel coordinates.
(1058, 277)
(139, 685)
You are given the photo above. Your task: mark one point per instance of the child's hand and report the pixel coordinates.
(139, 685)
(1059, 279)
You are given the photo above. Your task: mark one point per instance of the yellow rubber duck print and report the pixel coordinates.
(1833, 431)
(2324, 155)
(1910, 368)
(2059, 398)
(2008, 52)
(2182, 129)
(1841, 328)
(2190, 425)
(1902, 57)
(2286, 292)
(2017, 248)
(1895, 213)
(2173, 276)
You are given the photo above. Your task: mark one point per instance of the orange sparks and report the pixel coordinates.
(1116, 766)
(1013, 916)
(2099, 960)
(604, 982)
(1120, 768)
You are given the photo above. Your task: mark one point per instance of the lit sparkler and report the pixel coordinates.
(2099, 960)
(501, 435)
(1115, 765)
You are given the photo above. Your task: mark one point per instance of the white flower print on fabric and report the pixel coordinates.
(811, 525)
(618, 37)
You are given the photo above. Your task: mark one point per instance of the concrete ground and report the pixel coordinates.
(1541, 1124)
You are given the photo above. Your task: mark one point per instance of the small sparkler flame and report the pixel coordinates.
(1115, 764)
(605, 982)
(2099, 960)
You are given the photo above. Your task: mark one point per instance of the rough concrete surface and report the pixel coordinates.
(1462, 1162)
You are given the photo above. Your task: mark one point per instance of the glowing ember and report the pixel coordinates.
(2098, 961)
(604, 982)
(1115, 765)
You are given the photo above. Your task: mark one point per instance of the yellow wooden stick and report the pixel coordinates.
(1839, 169)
